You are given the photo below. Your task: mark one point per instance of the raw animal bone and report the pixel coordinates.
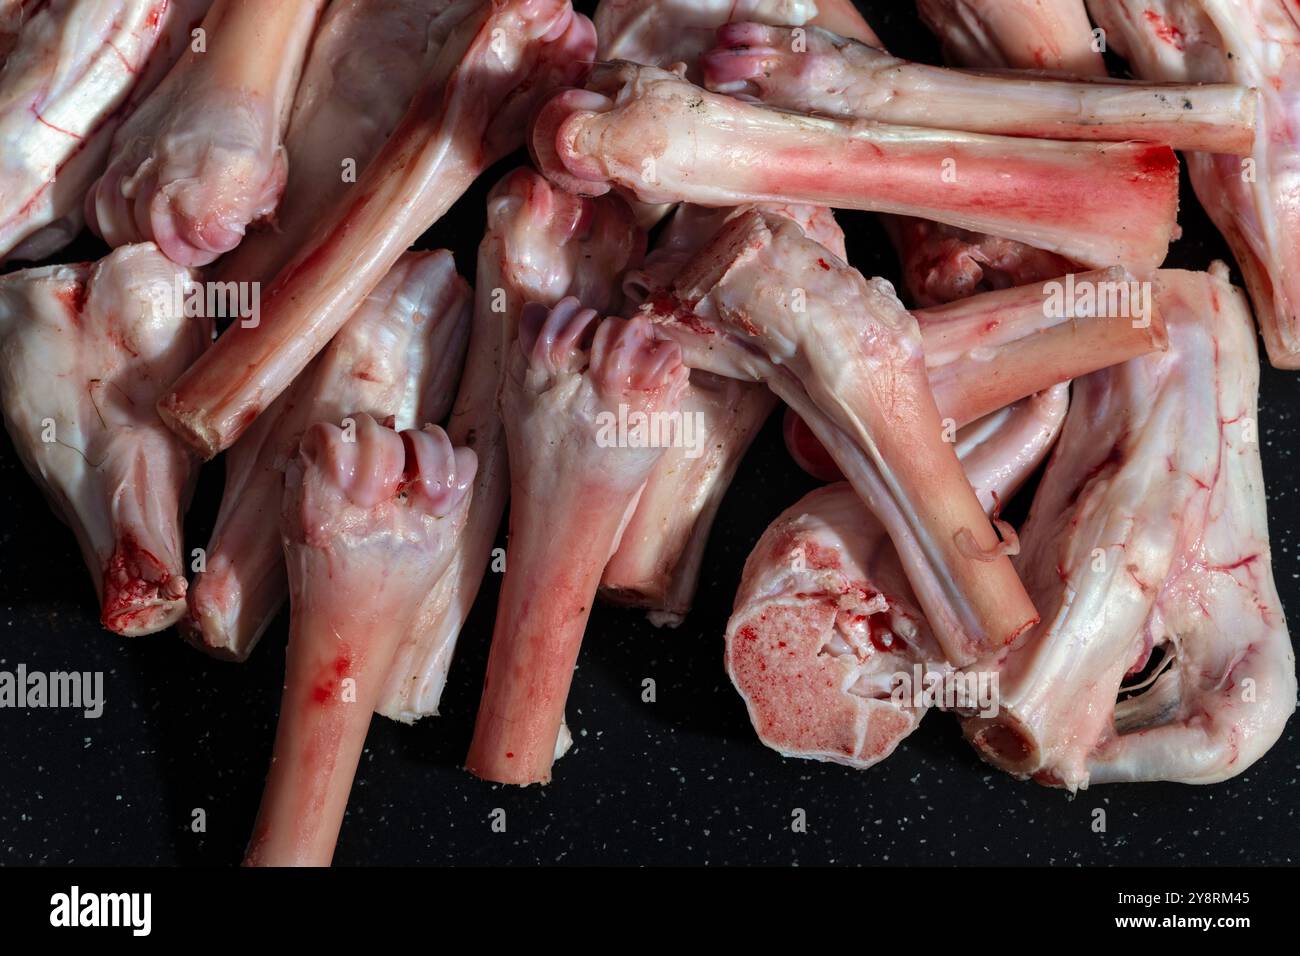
(657, 564)
(1148, 537)
(815, 71)
(842, 17)
(690, 230)
(201, 157)
(84, 352)
(397, 359)
(367, 61)
(490, 73)
(13, 13)
(1015, 34)
(658, 137)
(825, 618)
(541, 245)
(982, 354)
(572, 489)
(667, 32)
(941, 263)
(664, 32)
(944, 264)
(764, 303)
(1255, 202)
(369, 526)
(661, 550)
(65, 85)
(987, 351)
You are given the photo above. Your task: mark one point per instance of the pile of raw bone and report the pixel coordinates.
(300, 149)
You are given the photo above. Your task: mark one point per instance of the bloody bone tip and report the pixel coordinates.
(141, 596)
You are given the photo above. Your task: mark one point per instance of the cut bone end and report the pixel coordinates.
(216, 643)
(797, 694)
(522, 773)
(192, 427)
(141, 595)
(652, 597)
(1004, 742)
(212, 627)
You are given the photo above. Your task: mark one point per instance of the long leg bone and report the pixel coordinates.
(664, 32)
(367, 61)
(202, 156)
(574, 481)
(396, 359)
(667, 32)
(542, 244)
(1147, 548)
(941, 263)
(987, 351)
(765, 303)
(815, 71)
(1255, 202)
(494, 66)
(657, 564)
(1050, 35)
(369, 526)
(660, 553)
(86, 351)
(660, 138)
(825, 623)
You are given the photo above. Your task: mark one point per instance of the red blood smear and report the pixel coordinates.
(409, 470)
(665, 303)
(1156, 161)
(246, 418)
(879, 630)
(824, 264)
(1164, 29)
(326, 689)
(133, 576)
(73, 298)
(820, 558)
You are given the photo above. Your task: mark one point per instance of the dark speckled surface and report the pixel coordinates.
(681, 780)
